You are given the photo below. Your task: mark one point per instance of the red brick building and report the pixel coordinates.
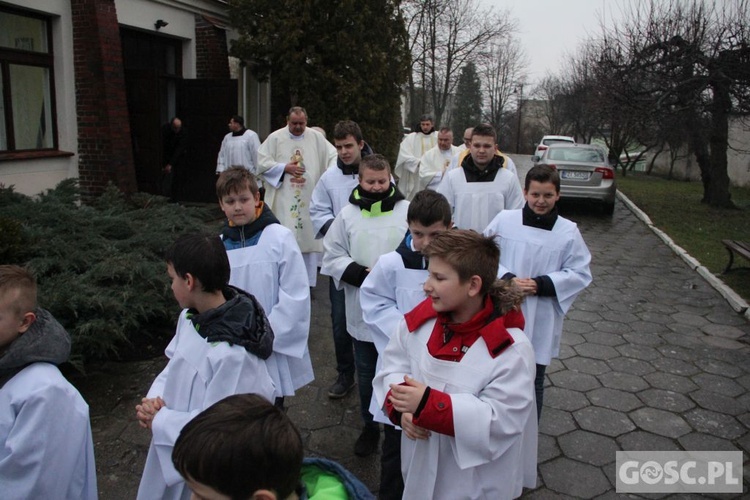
(88, 85)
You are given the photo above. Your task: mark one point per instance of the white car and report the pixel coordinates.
(552, 139)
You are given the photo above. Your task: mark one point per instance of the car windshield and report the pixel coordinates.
(547, 142)
(576, 154)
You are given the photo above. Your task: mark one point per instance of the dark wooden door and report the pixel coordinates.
(205, 107)
(142, 89)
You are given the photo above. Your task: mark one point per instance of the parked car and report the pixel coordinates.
(548, 140)
(584, 171)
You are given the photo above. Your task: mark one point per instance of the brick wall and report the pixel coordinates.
(211, 53)
(104, 145)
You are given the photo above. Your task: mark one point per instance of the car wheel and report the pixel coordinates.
(608, 208)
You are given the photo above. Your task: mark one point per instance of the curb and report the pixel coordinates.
(735, 301)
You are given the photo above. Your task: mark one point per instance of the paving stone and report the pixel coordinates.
(736, 357)
(574, 380)
(716, 424)
(564, 399)
(744, 443)
(610, 339)
(666, 400)
(544, 494)
(720, 368)
(643, 338)
(614, 399)
(719, 403)
(619, 317)
(646, 441)
(571, 339)
(660, 422)
(547, 449)
(576, 479)
(574, 326)
(654, 317)
(612, 327)
(642, 352)
(744, 419)
(675, 366)
(718, 384)
(334, 442)
(725, 317)
(566, 352)
(630, 365)
(321, 415)
(681, 352)
(622, 381)
(585, 316)
(596, 351)
(689, 319)
(648, 328)
(725, 331)
(603, 421)
(684, 340)
(555, 366)
(587, 365)
(696, 441)
(723, 342)
(556, 422)
(585, 305)
(588, 447)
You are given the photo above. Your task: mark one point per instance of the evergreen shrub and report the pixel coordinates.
(99, 266)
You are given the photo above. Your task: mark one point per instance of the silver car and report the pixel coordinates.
(585, 173)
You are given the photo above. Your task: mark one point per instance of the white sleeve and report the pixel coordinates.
(394, 364)
(252, 145)
(290, 316)
(231, 375)
(336, 256)
(514, 195)
(488, 424)
(221, 161)
(446, 189)
(377, 296)
(271, 170)
(494, 229)
(45, 445)
(321, 207)
(575, 274)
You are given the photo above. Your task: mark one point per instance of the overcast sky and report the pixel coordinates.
(548, 29)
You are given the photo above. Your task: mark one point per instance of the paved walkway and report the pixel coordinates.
(653, 358)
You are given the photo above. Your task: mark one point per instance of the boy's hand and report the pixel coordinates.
(412, 430)
(526, 285)
(406, 397)
(146, 411)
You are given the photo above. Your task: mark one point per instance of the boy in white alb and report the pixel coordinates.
(457, 376)
(545, 255)
(219, 348)
(266, 262)
(392, 289)
(46, 450)
(483, 186)
(371, 225)
(330, 195)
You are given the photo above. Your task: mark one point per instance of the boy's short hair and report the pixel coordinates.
(345, 128)
(429, 207)
(469, 253)
(375, 162)
(203, 256)
(16, 278)
(542, 173)
(426, 118)
(234, 180)
(238, 119)
(240, 445)
(485, 130)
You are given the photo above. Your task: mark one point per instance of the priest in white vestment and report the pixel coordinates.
(434, 162)
(290, 162)
(412, 148)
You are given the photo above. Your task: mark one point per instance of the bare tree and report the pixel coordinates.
(502, 70)
(688, 62)
(444, 36)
